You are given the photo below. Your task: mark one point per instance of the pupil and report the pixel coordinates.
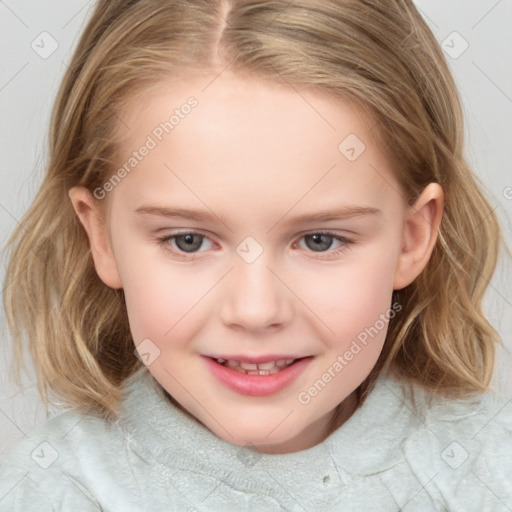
(189, 245)
(318, 241)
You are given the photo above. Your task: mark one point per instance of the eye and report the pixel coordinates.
(187, 242)
(322, 241)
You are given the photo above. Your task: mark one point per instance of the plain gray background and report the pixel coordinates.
(37, 38)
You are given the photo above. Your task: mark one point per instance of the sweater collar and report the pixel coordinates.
(173, 437)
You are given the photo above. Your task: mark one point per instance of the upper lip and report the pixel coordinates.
(255, 359)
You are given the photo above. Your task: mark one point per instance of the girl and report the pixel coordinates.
(255, 270)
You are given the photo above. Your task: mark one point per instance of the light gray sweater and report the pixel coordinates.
(399, 451)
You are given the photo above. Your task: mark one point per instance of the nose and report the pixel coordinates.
(255, 298)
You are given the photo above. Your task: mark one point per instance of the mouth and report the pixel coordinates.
(266, 368)
(257, 376)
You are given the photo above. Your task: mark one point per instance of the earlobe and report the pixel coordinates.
(421, 228)
(93, 220)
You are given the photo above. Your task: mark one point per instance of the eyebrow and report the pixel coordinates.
(208, 216)
(345, 212)
(182, 213)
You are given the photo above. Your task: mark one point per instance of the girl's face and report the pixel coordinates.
(255, 225)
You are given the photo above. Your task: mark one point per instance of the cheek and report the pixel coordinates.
(353, 296)
(160, 296)
(356, 305)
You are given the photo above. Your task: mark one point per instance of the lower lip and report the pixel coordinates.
(257, 385)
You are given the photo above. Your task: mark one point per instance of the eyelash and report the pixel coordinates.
(347, 243)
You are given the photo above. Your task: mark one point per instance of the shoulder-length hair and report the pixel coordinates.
(379, 55)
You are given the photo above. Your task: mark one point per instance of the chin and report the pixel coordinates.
(252, 435)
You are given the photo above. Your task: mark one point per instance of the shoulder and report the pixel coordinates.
(44, 471)
(461, 450)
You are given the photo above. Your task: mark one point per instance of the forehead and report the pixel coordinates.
(243, 106)
(246, 139)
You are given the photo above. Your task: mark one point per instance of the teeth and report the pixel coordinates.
(268, 368)
(248, 366)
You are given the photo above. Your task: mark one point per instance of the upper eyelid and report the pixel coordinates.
(301, 234)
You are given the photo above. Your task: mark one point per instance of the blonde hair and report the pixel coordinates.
(380, 55)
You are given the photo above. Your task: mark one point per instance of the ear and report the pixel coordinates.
(421, 228)
(94, 221)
